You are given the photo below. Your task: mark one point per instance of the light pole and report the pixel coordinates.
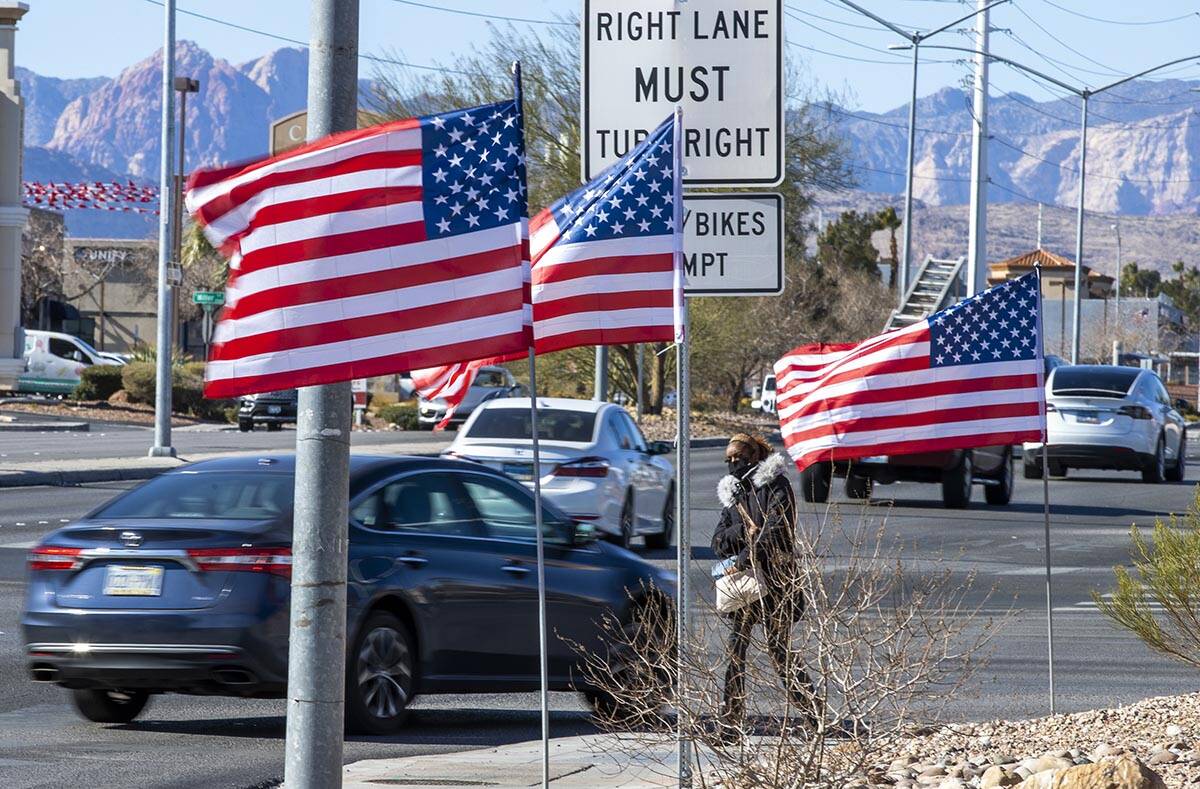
(915, 37)
(1084, 94)
(166, 199)
(184, 86)
(1117, 229)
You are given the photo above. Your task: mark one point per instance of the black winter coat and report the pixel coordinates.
(767, 500)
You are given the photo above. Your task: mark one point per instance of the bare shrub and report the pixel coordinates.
(885, 649)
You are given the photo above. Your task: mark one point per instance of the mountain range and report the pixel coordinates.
(1143, 148)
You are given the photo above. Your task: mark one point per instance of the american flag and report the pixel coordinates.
(369, 252)
(604, 267)
(968, 376)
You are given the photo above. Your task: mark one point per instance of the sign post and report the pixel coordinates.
(733, 244)
(720, 60)
(209, 300)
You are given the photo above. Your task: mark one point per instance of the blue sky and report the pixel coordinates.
(75, 38)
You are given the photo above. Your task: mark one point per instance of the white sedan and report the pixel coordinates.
(595, 464)
(1102, 416)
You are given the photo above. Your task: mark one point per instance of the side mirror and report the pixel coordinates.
(584, 533)
(660, 448)
(1181, 404)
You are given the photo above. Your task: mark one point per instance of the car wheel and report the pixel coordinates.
(956, 484)
(110, 706)
(1156, 470)
(380, 676)
(1057, 470)
(245, 425)
(858, 486)
(638, 662)
(1000, 495)
(273, 427)
(1177, 472)
(663, 538)
(1033, 469)
(814, 483)
(625, 538)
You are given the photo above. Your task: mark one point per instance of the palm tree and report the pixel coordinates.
(887, 220)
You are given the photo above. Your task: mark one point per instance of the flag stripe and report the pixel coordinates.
(654, 263)
(850, 422)
(397, 307)
(912, 442)
(311, 372)
(636, 332)
(394, 279)
(601, 302)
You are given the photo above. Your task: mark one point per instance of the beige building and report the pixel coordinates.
(1058, 275)
(112, 282)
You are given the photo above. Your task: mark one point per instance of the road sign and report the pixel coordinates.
(733, 244)
(721, 59)
(208, 297)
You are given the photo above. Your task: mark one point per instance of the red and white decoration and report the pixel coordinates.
(95, 195)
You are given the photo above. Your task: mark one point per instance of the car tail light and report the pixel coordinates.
(1135, 411)
(276, 561)
(54, 557)
(584, 467)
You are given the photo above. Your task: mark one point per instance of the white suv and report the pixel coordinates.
(1108, 417)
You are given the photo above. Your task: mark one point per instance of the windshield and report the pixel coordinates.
(769, 384)
(1085, 381)
(220, 495)
(491, 379)
(553, 425)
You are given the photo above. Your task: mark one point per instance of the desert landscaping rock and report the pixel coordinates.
(997, 776)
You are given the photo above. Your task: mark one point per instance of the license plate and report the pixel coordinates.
(273, 409)
(1087, 417)
(127, 581)
(522, 471)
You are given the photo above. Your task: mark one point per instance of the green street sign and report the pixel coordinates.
(208, 297)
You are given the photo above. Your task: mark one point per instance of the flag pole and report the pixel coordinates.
(683, 406)
(1041, 377)
(544, 669)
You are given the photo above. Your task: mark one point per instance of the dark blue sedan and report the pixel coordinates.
(182, 585)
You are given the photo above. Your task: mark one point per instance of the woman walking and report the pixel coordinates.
(757, 532)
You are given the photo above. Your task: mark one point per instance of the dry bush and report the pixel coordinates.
(886, 650)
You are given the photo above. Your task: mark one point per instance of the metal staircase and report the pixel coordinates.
(936, 286)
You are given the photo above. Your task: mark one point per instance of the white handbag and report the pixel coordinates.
(737, 590)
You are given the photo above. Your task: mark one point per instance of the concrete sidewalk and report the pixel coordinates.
(586, 762)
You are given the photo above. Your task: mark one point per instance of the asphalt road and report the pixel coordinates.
(187, 741)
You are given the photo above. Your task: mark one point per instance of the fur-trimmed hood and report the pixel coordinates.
(764, 473)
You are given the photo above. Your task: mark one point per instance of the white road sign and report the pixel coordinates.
(733, 244)
(721, 59)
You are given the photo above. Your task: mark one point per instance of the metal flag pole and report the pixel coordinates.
(1041, 378)
(537, 507)
(683, 406)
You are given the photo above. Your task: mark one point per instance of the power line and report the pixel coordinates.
(840, 37)
(840, 111)
(1060, 65)
(304, 44)
(500, 17)
(854, 58)
(872, 28)
(856, 166)
(1064, 44)
(1081, 15)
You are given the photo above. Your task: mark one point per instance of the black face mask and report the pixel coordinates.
(739, 467)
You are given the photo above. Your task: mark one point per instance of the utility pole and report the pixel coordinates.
(166, 200)
(977, 232)
(1075, 327)
(317, 635)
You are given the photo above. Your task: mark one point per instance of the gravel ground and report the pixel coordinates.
(97, 411)
(708, 424)
(1162, 732)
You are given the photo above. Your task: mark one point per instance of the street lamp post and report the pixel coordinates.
(915, 37)
(1117, 229)
(1084, 94)
(183, 86)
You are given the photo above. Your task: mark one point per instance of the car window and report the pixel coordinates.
(1089, 381)
(491, 379)
(206, 495)
(506, 510)
(630, 429)
(1160, 391)
(64, 349)
(553, 424)
(433, 503)
(619, 439)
